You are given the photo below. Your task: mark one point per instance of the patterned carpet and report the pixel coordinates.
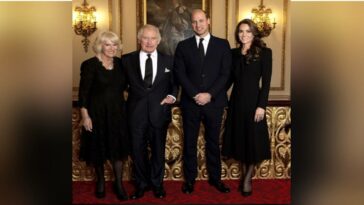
(264, 192)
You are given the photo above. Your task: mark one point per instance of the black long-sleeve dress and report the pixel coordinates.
(244, 139)
(101, 93)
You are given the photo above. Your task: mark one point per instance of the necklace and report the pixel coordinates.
(108, 63)
(108, 66)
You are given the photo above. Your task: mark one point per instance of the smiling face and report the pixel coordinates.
(246, 35)
(200, 23)
(149, 40)
(109, 49)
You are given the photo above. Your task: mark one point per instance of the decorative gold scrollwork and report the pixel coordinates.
(279, 166)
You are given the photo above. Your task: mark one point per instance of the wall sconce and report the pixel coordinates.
(84, 23)
(261, 16)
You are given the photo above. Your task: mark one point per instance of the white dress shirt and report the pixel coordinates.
(154, 56)
(143, 57)
(205, 41)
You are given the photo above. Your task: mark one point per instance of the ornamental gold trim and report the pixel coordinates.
(278, 167)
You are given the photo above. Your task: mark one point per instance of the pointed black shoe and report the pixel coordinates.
(120, 192)
(100, 190)
(246, 193)
(139, 193)
(159, 192)
(221, 187)
(187, 187)
(100, 194)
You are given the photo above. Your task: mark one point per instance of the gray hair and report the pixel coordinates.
(148, 27)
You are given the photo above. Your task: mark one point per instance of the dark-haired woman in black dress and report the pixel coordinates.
(246, 137)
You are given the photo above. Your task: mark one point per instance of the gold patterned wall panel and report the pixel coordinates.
(278, 167)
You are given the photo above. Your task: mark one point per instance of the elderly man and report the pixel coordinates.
(152, 90)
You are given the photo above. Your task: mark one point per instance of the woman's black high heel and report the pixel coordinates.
(245, 193)
(100, 195)
(100, 190)
(247, 181)
(120, 192)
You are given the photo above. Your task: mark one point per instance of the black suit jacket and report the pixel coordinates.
(143, 102)
(210, 75)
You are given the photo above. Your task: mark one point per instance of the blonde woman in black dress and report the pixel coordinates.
(246, 137)
(104, 134)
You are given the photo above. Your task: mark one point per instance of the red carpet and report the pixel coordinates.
(264, 192)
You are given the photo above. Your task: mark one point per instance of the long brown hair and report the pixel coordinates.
(253, 53)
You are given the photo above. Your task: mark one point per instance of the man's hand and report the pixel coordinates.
(202, 98)
(168, 100)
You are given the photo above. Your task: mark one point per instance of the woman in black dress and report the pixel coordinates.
(104, 134)
(246, 137)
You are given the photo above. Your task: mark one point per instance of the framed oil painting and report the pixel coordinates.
(172, 17)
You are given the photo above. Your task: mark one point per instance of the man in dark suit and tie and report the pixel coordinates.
(150, 94)
(202, 66)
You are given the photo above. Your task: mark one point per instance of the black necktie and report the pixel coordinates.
(148, 72)
(201, 50)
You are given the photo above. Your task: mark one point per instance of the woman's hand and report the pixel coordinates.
(259, 114)
(87, 123)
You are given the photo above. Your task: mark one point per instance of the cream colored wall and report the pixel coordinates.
(218, 18)
(286, 93)
(129, 25)
(221, 27)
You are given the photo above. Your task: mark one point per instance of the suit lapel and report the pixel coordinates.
(194, 49)
(137, 71)
(210, 47)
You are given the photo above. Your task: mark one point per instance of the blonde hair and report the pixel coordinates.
(151, 27)
(102, 37)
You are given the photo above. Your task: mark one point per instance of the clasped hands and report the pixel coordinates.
(202, 98)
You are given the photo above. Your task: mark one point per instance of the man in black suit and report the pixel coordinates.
(151, 92)
(202, 66)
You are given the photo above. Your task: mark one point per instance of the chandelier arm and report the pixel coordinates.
(261, 16)
(85, 22)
